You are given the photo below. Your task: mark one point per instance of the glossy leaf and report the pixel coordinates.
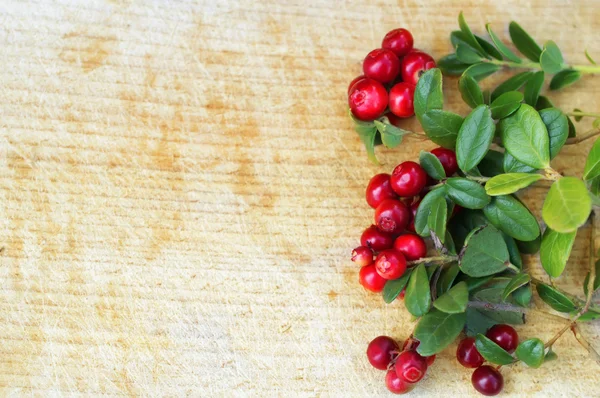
(428, 92)
(551, 59)
(467, 193)
(564, 78)
(512, 217)
(474, 137)
(432, 165)
(592, 164)
(533, 88)
(441, 127)
(555, 251)
(422, 215)
(418, 296)
(523, 295)
(531, 352)
(596, 284)
(393, 288)
(450, 65)
(512, 165)
(437, 330)
(558, 129)
(447, 277)
(513, 251)
(567, 205)
(506, 104)
(454, 300)
(524, 43)
(484, 253)
(437, 218)
(469, 36)
(491, 164)
(513, 83)
(529, 247)
(543, 103)
(391, 136)
(572, 129)
(555, 299)
(470, 91)
(505, 184)
(516, 282)
(506, 52)
(482, 70)
(489, 48)
(367, 133)
(467, 55)
(491, 351)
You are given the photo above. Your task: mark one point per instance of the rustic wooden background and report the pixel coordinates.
(180, 190)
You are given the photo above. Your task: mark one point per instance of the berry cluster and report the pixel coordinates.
(390, 74)
(396, 199)
(487, 379)
(404, 368)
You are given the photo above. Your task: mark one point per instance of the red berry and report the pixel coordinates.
(401, 100)
(379, 189)
(505, 336)
(430, 360)
(368, 99)
(455, 210)
(355, 80)
(413, 210)
(395, 384)
(414, 64)
(375, 239)
(400, 41)
(381, 65)
(413, 344)
(412, 246)
(402, 294)
(467, 353)
(390, 264)
(370, 279)
(362, 256)
(380, 351)
(394, 120)
(447, 159)
(392, 216)
(408, 179)
(410, 366)
(487, 380)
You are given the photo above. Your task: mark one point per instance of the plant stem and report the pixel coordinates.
(588, 134)
(592, 278)
(550, 342)
(585, 69)
(551, 175)
(582, 114)
(434, 259)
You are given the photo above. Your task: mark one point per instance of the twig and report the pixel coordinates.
(584, 343)
(589, 134)
(550, 342)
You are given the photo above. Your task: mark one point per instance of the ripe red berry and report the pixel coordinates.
(401, 100)
(487, 380)
(379, 189)
(381, 65)
(356, 79)
(375, 239)
(505, 336)
(410, 366)
(370, 279)
(412, 246)
(400, 41)
(430, 360)
(414, 64)
(412, 344)
(392, 216)
(467, 353)
(362, 256)
(380, 351)
(395, 384)
(408, 179)
(368, 99)
(402, 294)
(413, 212)
(447, 159)
(390, 264)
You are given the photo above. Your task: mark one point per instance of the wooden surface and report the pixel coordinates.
(180, 190)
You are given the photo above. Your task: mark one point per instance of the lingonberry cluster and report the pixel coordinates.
(390, 74)
(396, 199)
(404, 367)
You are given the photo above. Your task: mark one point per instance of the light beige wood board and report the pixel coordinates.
(180, 189)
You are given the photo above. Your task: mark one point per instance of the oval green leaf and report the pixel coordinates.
(491, 351)
(513, 83)
(558, 129)
(441, 127)
(516, 282)
(437, 330)
(450, 65)
(474, 137)
(447, 277)
(513, 251)
(469, 37)
(525, 137)
(422, 215)
(524, 43)
(506, 104)
(418, 296)
(555, 251)
(454, 300)
(564, 78)
(543, 103)
(512, 165)
(523, 295)
(485, 253)
(489, 48)
(467, 193)
(428, 92)
(507, 52)
(482, 70)
(529, 247)
(432, 165)
(567, 205)
(512, 217)
(551, 59)
(533, 88)
(470, 91)
(467, 55)
(555, 299)
(491, 164)
(592, 164)
(438, 218)
(393, 288)
(531, 352)
(505, 184)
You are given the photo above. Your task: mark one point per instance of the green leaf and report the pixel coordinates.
(523, 295)
(393, 288)
(514, 83)
(512, 165)
(468, 35)
(447, 277)
(564, 78)
(592, 164)
(467, 55)
(551, 59)
(525, 137)
(491, 351)
(432, 165)
(507, 52)
(470, 91)
(513, 251)
(572, 130)
(437, 330)
(467, 193)
(589, 315)
(567, 205)
(524, 43)
(457, 38)
(482, 70)
(491, 164)
(391, 135)
(506, 104)
(484, 253)
(543, 103)
(516, 282)
(533, 88)
(428, 93)
(596, 280)
(577, 118)
(505, 184)
(474, 137)
(441, 127)
(492, 293)
(529, 247)
(438, 217)
(422, 215)
(531, 352)
(367, 133)
(558, 129)
(589, 58)
(418, 295)
(555, 251)
(453, 301)
(555, 299)
(489, 48)
(450, 65)
(512, 217)
(449, 243)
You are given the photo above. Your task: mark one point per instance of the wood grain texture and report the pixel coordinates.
(180, 189)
